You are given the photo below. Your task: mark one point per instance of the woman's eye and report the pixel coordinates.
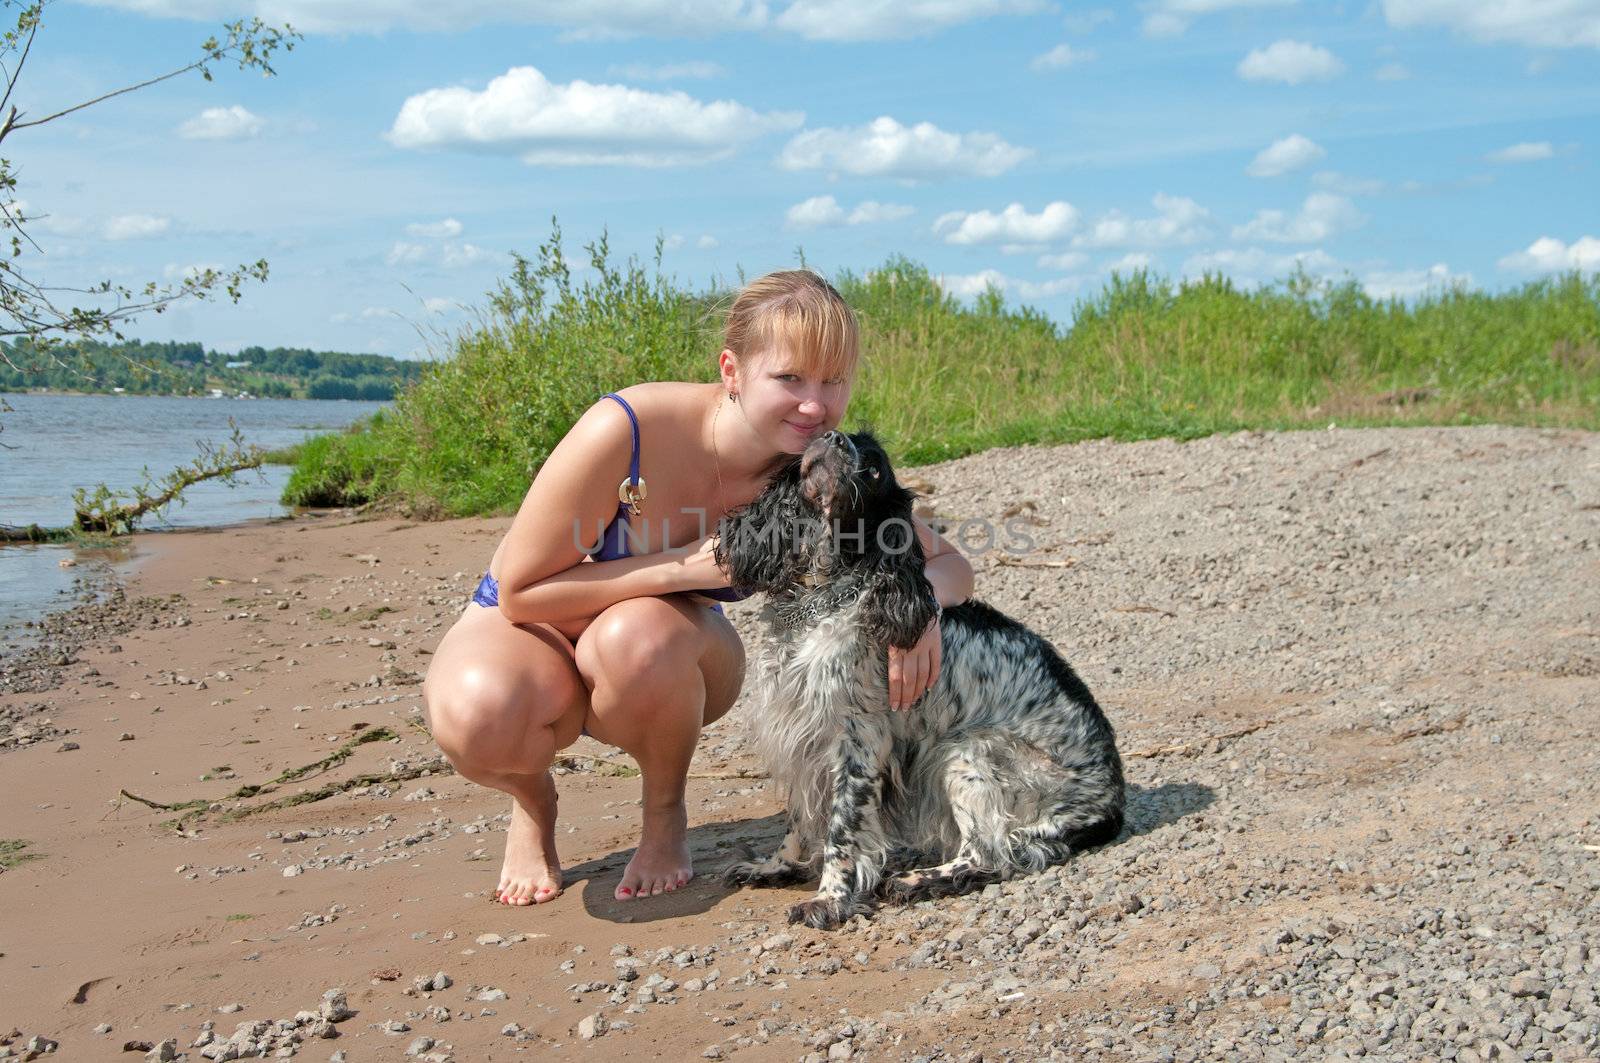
(835, 382)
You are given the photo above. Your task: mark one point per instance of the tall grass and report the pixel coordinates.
(1143, 357)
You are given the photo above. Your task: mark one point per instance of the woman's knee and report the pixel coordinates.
(640, 639)
(485, 716)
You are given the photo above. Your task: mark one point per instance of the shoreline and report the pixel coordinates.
(1319, 649)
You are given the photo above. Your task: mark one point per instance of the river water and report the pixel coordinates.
(50, 444)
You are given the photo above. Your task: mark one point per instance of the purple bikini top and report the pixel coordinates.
(613, 543)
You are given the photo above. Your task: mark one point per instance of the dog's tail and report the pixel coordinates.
(1038, 852)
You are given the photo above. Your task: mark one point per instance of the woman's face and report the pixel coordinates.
(788, 404)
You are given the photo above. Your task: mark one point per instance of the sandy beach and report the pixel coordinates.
(1356, 675)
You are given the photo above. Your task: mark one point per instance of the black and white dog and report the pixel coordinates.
(1006, 765)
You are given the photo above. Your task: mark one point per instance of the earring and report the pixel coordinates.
(733, 396)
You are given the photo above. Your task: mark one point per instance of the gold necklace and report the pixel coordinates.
(716, 456)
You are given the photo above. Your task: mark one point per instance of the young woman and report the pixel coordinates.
(627, 642)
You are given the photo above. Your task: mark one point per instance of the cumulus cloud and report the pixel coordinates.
(876, 20)
(967, 285)
(698, 69)
(706, 242)
(1178, 220)
(885, 148)
(1253, 264)
(449, 254)
(437, 305)
(1013, 225)
(221, 123)
(1291, 62)
(523, 113)
(869, 211)
(1062, 55)
(1542, 23)
(136, 226)
(1392, 72)
(819, 211)
(1283, 156)
(1168, 18)
(1064, 260)
(1410, 283)
(1131, 262)
(1322, 215)
(447, 227)
(1550, 255)
(1532, 151)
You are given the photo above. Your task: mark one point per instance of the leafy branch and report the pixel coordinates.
(119, 512)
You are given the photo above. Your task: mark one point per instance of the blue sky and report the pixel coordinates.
(408, 145)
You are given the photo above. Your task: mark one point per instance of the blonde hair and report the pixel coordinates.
(803, 311)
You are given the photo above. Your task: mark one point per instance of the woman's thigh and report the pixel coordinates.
(492, 683)
(632, 641)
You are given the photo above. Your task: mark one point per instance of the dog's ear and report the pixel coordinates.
(899, 605)
(762, 545)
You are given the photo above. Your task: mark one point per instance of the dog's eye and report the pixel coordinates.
(872, 472)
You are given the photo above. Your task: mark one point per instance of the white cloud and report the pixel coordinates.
(1524, 152)
(1065, 260)
(706, 242)
(1131, 262)
(174, 273)
(1392, 72)
(374, 313)
(870, 211)
(598, 18)
(1282, 156)
(699, 69)
(437, 305)
(136, 226)
(1409, 283)
(1062, 55)
(1088, 21)
(967, 285)
(1168, 18)
(673, 242)
(875, 20)
(54, 224)
(819, 211)
(434, 229)
(1322, 215)
(221, 123)
(814, 213)
(1013, 225)
(1291, 62)
(1541, 23)
(448, 255)
(1252, 264)
(1550, 255)
(1179, 220)
(885, 148)
(579, 123)
(1345, 185)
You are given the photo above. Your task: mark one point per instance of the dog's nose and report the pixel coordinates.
(837, 438)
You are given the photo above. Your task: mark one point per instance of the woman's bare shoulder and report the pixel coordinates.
(665, 401)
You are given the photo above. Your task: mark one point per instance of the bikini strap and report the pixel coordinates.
(633, 465)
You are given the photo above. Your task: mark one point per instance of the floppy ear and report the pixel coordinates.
(762, 545)
(899, 605)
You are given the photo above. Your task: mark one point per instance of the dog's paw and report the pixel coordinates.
(949, 880)
(826, 913)
(769, 874)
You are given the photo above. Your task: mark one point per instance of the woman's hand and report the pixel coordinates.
(699, 564)
(913, 671)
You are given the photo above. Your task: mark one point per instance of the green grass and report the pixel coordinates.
(1144, 357)
(12, 853)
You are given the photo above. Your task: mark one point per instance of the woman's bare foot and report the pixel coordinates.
(531, 873)
(661, 863)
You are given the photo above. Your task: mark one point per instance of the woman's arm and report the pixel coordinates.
(572, 498)
(947, 568)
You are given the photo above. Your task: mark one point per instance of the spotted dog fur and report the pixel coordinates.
(1005, 766)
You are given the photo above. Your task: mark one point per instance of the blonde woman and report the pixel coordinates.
(603, 617)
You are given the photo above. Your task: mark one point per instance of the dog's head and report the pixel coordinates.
(834, 517)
